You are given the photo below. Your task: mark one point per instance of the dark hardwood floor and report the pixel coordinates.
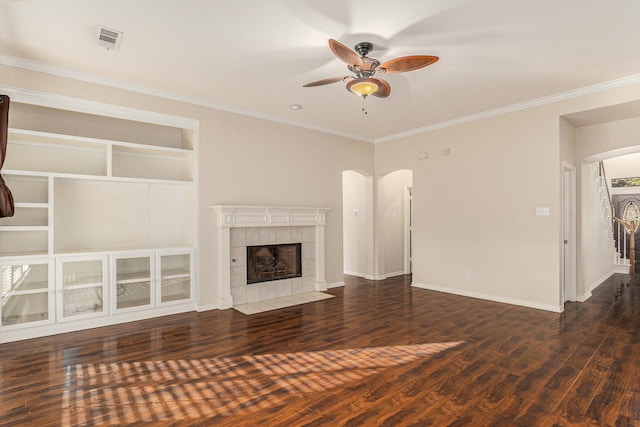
(378, 354)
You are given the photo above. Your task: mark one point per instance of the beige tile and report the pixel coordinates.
(239, 254)
(296, 234)
(277, 303)
(239, 295)
(308, 267)
(253, 293)
(283, 288)
(253, 236)
(309, 251)
(283, 235)
(238, 236)
(296, 285)
(308, 234)
(267, 290)
(267, 235)
(238, 276)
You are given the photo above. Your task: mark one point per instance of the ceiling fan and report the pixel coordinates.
(362, 82)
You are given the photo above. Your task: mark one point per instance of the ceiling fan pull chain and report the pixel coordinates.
(364, 104)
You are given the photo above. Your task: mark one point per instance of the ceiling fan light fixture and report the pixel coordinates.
(363, 86)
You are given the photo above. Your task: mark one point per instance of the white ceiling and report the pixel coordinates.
(253, 56)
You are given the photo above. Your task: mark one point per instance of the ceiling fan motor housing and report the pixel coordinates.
(363, 48)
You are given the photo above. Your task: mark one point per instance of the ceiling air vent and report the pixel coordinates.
(109, 38)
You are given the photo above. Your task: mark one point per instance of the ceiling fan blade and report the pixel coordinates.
(407, 63)
(325, 81)
(384, 90)
(345, 54)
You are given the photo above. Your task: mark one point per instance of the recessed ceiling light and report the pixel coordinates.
(295, 107)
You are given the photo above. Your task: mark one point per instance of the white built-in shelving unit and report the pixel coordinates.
(104, 229)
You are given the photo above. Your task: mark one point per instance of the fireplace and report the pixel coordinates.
(273, 262)
(242, 226)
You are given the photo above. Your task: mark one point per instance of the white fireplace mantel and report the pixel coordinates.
(229, 216)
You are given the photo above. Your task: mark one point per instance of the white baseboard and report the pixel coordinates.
(394, 274)
(206, 307)
(621, 268)
(369, 277)
(512, 301)
(601, 280)
(584, 297)
(335, 285)
(22, 333)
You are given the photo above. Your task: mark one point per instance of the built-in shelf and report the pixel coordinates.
(87, 202)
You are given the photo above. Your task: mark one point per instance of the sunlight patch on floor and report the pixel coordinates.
(156, 390)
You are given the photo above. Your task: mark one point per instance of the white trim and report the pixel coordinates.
(587, 90)
(624, 190)
(40, 67)
(583, 298)
(601, 280)
(392, 274)
(568, 221)
(621, 268)
(30, 65)
(335, 285)
(63, 102)
(370, 277)
(206, 307)
(268, 216)
(115, 318)
(512, 301)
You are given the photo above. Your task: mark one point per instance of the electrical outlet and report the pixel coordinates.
(468, 275)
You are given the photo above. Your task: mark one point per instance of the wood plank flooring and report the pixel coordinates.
(378, 354)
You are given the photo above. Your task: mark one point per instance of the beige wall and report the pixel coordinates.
(475, 209)
(243, 160)
(626, 166)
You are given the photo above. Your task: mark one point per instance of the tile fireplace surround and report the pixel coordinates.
(242, 226)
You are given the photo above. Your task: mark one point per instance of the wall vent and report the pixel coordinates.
(109, 38)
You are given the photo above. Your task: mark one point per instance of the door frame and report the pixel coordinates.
(408, 228)
(568, 290)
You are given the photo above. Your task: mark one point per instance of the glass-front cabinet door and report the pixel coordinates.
(133, 280)
(176, 276)
(26, 292)
(82, 284)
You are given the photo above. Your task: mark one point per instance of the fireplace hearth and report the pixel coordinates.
(273, 262)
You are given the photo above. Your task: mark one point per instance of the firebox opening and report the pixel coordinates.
(273, 262)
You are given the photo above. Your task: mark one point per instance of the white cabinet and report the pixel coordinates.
(175, 272)
(148, 279)
(133, 284)
(105, 221)
(26, 292)
(81, 285)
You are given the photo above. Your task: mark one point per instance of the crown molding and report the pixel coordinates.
(45, 99)
(30, 65)
(599, 87)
